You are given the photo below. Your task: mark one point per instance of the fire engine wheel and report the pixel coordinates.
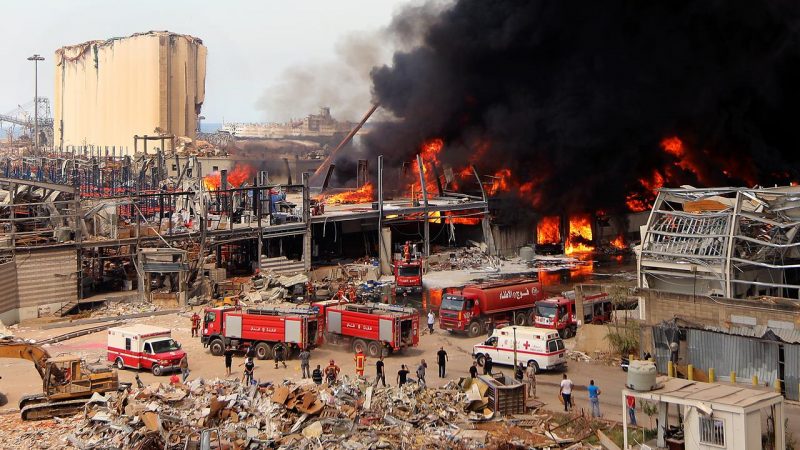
(263, 350)
(474, 329)
(217, 347)
(157, 370)
(532, 317)
(480, 359)
(119, 363)
(520, 319)
(374, 349)
(534, 365)
(359, 346)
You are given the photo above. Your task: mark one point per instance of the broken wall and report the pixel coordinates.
(47, 279)
(108, 91)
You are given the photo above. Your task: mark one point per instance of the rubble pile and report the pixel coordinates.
(473, 257)
(350, 415)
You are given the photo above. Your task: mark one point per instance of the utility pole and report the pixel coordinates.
(36, 58)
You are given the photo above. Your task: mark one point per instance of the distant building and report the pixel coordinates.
(321, 125)
(145, 84)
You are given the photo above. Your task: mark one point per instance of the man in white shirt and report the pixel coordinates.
(566, 393)
(431, 321)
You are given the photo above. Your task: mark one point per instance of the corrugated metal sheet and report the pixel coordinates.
(791, 355)
(47, 276)
(8, 286)
(726, 353)
(662, 336)
(761, 332)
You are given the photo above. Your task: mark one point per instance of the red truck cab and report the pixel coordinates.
(559, 313)
(408, 271)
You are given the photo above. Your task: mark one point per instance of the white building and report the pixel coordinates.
(714, 416)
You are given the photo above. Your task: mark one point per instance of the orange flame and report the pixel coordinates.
(580, 234)
(548, 230)
(500, 182)
(364, 194)
(619, 242)
(236, 177)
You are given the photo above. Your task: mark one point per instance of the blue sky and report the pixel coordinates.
(251, 44)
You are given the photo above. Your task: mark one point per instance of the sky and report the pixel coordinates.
(252, 45)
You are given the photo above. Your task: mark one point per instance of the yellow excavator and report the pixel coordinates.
(67, 381)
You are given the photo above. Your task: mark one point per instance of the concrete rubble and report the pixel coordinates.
(350, 415)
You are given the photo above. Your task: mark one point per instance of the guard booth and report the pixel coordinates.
(165, 273)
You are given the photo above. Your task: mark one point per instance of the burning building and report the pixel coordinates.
(106, 92)
(726, 242)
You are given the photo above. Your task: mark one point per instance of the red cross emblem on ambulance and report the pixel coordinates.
(526, 345)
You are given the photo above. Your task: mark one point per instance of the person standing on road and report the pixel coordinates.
(530, 372)
(630, 402)
(305, 357)
(195, 325)
(184, 364)
(228, 360)
(361, 361)
(519, 372)
(316, 376)
(431, 321)
(473, 370)
(487, 365)
(421, 372)
(441, 359)
(565, 391)
(402, 375)
(594, 398)
(279, 353)
(249, 371)
(380, 370)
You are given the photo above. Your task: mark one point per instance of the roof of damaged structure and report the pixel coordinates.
(730, 242)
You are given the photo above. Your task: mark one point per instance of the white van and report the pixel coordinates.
(541, 348)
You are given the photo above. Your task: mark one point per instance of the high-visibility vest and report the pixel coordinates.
(360, 358)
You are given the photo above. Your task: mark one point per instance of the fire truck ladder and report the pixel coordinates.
(370, 307)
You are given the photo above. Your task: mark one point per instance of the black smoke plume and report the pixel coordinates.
(577, 95)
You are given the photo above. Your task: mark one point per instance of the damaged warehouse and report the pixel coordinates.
(726, 242)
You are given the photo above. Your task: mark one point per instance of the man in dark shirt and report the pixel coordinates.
(249, 369)
(402, 375)
(487, 365)
(473, 370)
(380, 372)
(317, 375)
(228, 360)
(441, 357)
(280, 354)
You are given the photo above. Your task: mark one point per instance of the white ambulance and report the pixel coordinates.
(541, 348)
(144, 347)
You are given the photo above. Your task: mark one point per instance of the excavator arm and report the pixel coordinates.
(18, 348)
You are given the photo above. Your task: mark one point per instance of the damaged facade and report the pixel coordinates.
(725, 242)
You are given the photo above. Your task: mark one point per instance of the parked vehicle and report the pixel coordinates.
(144, 347)
(373, 328)
(498, 302)
(558, 313)
(408, 271)
(539, 348)
(261, 328)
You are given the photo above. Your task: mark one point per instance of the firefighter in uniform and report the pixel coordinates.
(361, 361)
(331, 373)
(195, 325)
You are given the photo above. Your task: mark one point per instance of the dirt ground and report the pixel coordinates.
(19, 377)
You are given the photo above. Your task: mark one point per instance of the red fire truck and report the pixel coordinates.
(558, 313)
(374, 328)
(261, 328)
(499, 302)
(408, 271)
